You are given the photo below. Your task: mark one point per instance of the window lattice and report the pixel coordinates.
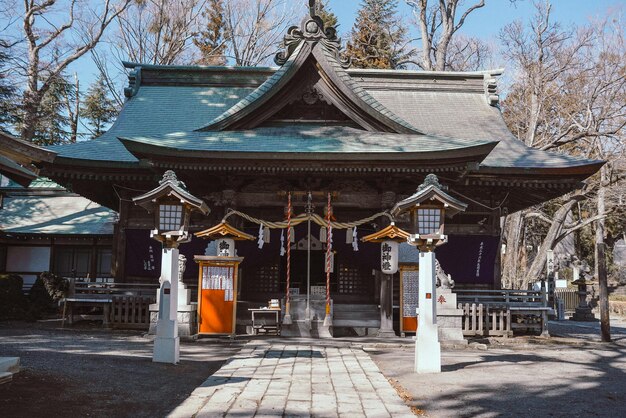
(429, 221)
(170, 217)
(265, 279)
(352, 281)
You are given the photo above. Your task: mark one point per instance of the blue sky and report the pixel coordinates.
(484, 23)
(487, 21)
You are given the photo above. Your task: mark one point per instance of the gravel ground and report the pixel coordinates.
(90, 372)
(572, 374)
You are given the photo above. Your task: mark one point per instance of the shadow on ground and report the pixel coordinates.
(83, 372)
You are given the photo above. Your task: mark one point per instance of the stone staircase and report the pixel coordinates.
(8, 367)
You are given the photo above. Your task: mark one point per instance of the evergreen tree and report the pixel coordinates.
(51, 123)
(7, 94)
(379, 37)
(98, 108)
(328, 17)
(211, 40)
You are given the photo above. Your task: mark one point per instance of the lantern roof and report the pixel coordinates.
(170, 186)
(225, 230)
(430, 191)
(391, 232)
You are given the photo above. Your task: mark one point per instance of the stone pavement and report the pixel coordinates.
(296, 379)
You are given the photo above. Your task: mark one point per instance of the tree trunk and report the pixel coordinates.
(550, 241)
(513, 239)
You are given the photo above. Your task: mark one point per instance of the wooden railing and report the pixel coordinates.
(123, 305)
(569, 297)
(500, 312)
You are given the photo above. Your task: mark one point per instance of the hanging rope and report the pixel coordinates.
(303, 217)
(329, 241)
(288, 249)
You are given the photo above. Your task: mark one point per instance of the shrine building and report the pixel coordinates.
(242, 138)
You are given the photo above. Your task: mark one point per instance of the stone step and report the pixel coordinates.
(9, 364)
(356, 322)
(5, 377)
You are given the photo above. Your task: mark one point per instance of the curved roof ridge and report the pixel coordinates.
(259, 93)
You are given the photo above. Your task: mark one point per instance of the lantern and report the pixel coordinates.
(427, 209)
(389, 257)
(172, 205)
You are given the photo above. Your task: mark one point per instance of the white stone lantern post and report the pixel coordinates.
(427, 209)
(171, 205)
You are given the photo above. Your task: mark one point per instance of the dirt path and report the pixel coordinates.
(93, 373)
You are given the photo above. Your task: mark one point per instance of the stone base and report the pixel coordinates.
(449, 322)
(584, 314)
(166, 350)
(187, 319)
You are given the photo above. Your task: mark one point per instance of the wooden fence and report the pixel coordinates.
(500, 312)
(123, 305)
(131, 312)
(569, 297)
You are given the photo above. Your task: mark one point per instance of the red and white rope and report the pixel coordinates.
(329, 238)
(288, 246)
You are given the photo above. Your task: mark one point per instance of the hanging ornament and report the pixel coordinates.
(355, 241)
(292, 234)
(323, 234)
(261, 241)
(282, 242)
(349, 236)
(266, 234)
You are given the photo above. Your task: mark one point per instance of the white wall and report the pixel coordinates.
(28, 259)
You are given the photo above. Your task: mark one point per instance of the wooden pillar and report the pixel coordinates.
(386, 305)
(497, 268)
(118, 258)
(605, 325)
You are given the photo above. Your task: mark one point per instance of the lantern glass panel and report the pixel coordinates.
(170, 217)
(429, 220)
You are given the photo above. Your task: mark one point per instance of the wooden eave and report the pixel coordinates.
(391, 232)
(16, 172)
(429, 194)
(22, 152)
(224, 230)
(168, 189)
(474, 153)
(580, 170)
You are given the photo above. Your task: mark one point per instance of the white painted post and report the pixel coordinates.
(167, 343)
(427, 347)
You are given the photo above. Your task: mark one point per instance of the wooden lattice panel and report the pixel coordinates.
(352, 281)
(265, 279)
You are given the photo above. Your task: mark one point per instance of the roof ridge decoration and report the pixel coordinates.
(312, 29)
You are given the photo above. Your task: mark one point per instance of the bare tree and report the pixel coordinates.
(255, 28)
(437, 24)
(569, 93)
(52, 47)
(158, 31)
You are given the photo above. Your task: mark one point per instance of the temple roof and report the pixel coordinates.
(63, 213)
(302, 140)
(225, 112)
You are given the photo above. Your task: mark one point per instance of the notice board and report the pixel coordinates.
(409, 286)
(217, 294)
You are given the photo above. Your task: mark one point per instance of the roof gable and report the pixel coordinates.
(311, 63)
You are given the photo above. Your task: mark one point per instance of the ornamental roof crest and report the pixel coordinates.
(311, 29)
